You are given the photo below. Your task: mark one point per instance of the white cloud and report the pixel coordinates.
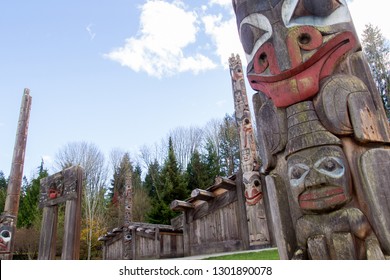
(224, 35)
(166, 29)
(224, 3)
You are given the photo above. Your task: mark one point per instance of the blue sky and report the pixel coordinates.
(119, 73)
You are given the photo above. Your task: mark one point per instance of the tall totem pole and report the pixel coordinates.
(11, 208)
(323, 136)
(254, 202)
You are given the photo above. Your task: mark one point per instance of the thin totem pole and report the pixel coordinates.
(324, 139)
(8, 219)
(128, 216)
(257, 220)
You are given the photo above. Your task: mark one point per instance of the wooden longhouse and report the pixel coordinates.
(214, 220)
(142, 241)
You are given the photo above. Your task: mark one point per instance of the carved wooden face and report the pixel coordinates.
(292, 44)
(319, 178)
(253, 192)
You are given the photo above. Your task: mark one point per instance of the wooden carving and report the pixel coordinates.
(128, 199)
(250, 163)
(322, 128)
(62, 187)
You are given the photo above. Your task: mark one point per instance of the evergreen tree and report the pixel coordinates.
(211, 160)
(197, 176)
(172, 187)
(3, 190)
(152, 180)
(377, 51)
(29, 211)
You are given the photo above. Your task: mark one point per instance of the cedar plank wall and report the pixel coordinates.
(213, 220)
(113, 249)
(216, 231)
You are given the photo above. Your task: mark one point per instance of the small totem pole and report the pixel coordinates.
(128, 215)
(9, 217)
(128, 199)
(323, 136)
(255, 210)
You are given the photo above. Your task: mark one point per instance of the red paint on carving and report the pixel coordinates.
(322, 198)
(254, 198)
(302, 81)
(320, 193)
(3, 246)
(265, 58)
(52, 194)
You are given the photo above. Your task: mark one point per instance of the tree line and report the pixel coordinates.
(187, 158)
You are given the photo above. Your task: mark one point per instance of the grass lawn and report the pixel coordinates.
(262, 255)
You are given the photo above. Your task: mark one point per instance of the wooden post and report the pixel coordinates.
(186, 235)
(8, 219)
(157, 243)
(47, 240)
(72, 224)
(241, 213)
(134, 242)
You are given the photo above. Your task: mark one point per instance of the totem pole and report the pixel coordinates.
(128, 199)
(323, 136)
(9, 217)
(128, 215)
(255, 209)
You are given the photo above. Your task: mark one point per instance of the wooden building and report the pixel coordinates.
(214, 220)
(142, 241)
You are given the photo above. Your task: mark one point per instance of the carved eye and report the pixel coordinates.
(297, 174)
(316, 8)
(255, 30)
(6, 235)
(330, 166)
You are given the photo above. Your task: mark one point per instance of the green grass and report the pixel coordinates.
(262, 255)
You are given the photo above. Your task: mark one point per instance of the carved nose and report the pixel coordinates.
(315, 179)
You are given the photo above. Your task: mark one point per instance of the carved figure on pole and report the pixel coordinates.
(319, 119)
(255, 209)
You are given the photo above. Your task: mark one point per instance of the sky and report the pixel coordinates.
(120, 73)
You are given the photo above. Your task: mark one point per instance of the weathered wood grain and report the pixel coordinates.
(375, 168)
(317, 247)
(179, 205)
(199, 194)
(47, 240)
